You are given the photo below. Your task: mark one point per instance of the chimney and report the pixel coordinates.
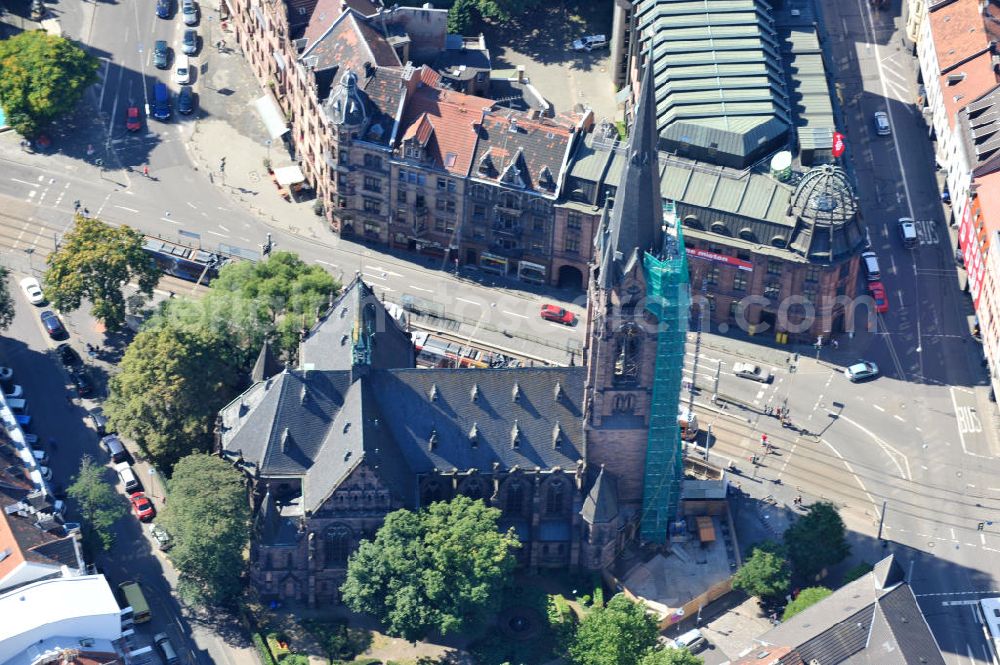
(520, 73)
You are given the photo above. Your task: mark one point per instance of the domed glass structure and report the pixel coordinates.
(827, 225)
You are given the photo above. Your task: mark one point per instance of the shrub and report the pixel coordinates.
(599, 594)
(274, 643)
(857, 572)
(366, 660)
(295, 659)
(265, 654)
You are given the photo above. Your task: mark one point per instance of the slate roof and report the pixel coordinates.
(346, 45)
(453, 116)
(979, 129)
(28, 539)
(324, 13)
(874, 620)
(383, 91)
(266, 365)
(521, 153)
(718, 77)
(330, 343)
(601, 504)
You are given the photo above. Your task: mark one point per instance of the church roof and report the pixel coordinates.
(636, 222)
(601, 504)
(266, 366)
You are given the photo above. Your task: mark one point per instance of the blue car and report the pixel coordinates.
(163, 8)
(53, 326)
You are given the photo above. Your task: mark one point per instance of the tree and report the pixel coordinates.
(464, 14)
(806, 598)
(6, 300)
(620, 633)
(816, 541)
(765, 573)
(671, 657)
(272, 299)
(94, 261)
(441, 568)
(100, 505)
(208, 516)
(856, 572)
(172, 382)
(42, 77)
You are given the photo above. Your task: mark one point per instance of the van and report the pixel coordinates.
(182, 70)
(692, 640)
(17, 405)
(908, 232)
(130, 595)
(161, 101)
(115, 448)
(688, 423)
(166, 648)
(41, 457)
(128, 478)
(870, 261)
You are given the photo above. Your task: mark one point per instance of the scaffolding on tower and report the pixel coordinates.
(668, 299)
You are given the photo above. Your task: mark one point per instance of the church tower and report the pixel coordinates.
(636, 333)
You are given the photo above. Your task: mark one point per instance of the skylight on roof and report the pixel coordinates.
(450, 159)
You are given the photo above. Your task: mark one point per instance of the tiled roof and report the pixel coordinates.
(421, 130)
(25, 538)
(520, 152)
(347, 45)
(453, 116)
(965, 83)
(325, 13)
(958, 31)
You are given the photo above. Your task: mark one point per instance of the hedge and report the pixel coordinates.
(274, 644)
(265, 654)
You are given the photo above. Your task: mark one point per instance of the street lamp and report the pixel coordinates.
(29, 251)
(268, 144)
(152, 482)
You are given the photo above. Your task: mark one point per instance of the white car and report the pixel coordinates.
(590, 42)
(33, 290)
(752, 372)
(182, 71)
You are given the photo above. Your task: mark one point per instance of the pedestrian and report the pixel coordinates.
(145, 170)
(763, 440)
(836, 345)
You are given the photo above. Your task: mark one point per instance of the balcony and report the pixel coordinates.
(506, 210)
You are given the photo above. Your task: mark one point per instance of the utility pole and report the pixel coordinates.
(881, 522)
(708, 440)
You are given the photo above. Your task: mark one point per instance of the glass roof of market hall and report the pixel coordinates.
(720, 90)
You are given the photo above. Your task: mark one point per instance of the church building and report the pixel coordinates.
(581, 461)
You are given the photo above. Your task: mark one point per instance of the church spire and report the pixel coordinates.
(636, 222)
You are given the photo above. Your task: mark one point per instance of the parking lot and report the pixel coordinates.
(544, 46)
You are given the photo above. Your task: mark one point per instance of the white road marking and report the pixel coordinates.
(373, 276)
(420, 288)
(513, 314)
(879, 408)
(223, 228)
(471, 302)
(167, 219)
(216, 233)
(899, 418)
(383, 270)
(191, 205)
(126, 209)
(326, 263)
(892, 453)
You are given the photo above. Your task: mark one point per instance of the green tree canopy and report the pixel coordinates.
(620, 633)
(94, 261)
(464, 14)
(6, 300)
(208, 516)
(856, 572)
(172, 382)
(100, 505)
(765, 573)
(42, 77)
(816, 541)
(250, 302)
(442, 568)
(670, 657)
(806, 598)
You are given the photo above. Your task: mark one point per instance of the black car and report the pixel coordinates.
(185, 100)
(189, 42)
(161, 54)
(84, 388)
(68, 355)
(163, 8)
(53, 326)
(99, 420)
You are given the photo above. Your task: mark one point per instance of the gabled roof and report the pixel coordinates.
(324, 13)
(453, 116)
(958, 32)
(26, 538)
(348, 44)
(979, 129)
(966, 82)
(601, 504)
(525, 153)
(422, 130)
(266, 365)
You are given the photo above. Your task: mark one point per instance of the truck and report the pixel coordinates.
(130, 595)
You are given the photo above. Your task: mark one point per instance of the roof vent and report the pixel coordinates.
(347, 426)
(474, 435)
(433, 394)
(515, 435)
(432, 440)
(286, 440)
(347, 455)
(558, 392)
(957, 77)
(557, 435)
(515, 392)
(4, 554)
(474, 393)
(304, 393)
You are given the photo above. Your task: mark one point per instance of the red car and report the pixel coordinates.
(142, 507)
(132, 121)
(558, 314)
(877, 290)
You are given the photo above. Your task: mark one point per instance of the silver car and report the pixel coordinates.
(752, 372)
(861, 370)
(189, 10)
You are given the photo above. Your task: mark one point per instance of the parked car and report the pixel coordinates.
(32, 291)
(189, 42)
(98, 420)
(908, 232)
(182, 70)
(133, 123)
(68, 355)
(161, 54)
(41, 457)
(166, 648)
(877, 291)
(163, 8)
(161, 101)
(752, 372)
(870, 262)
(558, 314)
(6, 374)
(53, 326)
(882, 126)
(185, 100)
(590, 42)
(46, 473)
(861, 370)
(142, 506)
(15, 392)
(189, 10)
(84, 387)
(160, 535)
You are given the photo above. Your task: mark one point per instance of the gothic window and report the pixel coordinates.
(515, 499)
(624, 404)
(555, 497)
(627, 355)
(338, 545)
(432, 491)
(473, 489)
